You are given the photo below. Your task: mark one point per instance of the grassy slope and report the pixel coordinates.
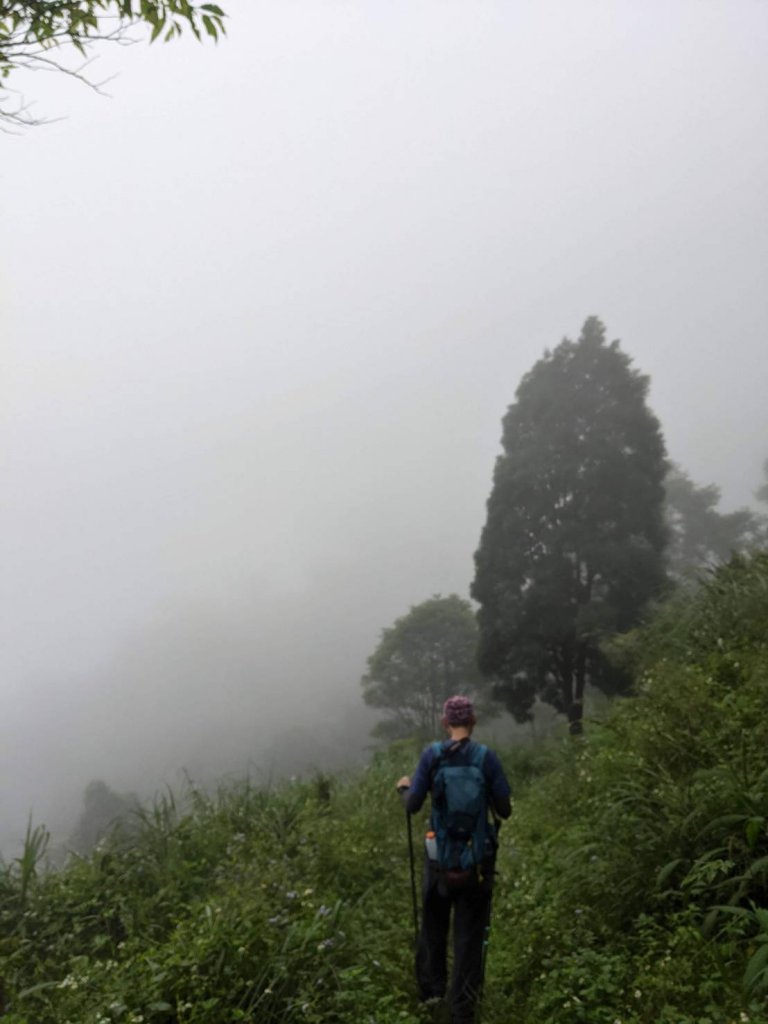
(295, 905)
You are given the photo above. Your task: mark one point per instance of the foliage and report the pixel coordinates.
(31, 31)
(633, 876)
(20, 876)
(700, 536)
(245, 905)
(641, 882)
(573, 542)
(425, 657)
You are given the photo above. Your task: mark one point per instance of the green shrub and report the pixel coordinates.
(632, 889)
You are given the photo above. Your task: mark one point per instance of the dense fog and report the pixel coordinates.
(263, 310)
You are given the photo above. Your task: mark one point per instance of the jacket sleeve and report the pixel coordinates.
(498, 785)
(414, 797)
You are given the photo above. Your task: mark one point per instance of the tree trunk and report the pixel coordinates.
(576, 710)
(570, 691)
(575, 718)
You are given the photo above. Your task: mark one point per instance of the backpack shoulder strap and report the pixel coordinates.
(478, 758)
(477, 754)
(437, 750)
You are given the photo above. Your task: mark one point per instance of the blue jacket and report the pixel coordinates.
(497, 785)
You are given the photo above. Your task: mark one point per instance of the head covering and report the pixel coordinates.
(458, 711)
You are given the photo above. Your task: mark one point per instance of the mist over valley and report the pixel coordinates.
(262, 313)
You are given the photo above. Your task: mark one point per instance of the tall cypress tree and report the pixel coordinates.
(574, 540)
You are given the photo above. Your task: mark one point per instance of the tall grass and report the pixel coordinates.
(633, 877)
(644, 853)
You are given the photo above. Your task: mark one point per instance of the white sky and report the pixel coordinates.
(262, 312)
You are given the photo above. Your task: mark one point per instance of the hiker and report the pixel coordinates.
(458, 866)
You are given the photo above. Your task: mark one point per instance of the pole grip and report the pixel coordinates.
(413, 881)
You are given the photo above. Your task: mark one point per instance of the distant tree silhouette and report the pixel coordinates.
(700, 536)
(425, 657)
(103, 809)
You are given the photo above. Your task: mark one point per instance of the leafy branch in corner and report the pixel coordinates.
(35, 34)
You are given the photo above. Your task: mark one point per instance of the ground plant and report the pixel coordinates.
(632, 888)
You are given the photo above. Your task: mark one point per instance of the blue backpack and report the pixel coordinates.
(465, 837)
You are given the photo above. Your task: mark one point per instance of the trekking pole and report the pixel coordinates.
(487, 924)
(484, 957)
(413, 880)
(486, 939)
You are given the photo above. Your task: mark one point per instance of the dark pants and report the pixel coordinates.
(471, 914)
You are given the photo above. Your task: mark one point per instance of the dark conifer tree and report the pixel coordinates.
(573, 546)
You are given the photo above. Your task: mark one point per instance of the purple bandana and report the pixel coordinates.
(458, 711)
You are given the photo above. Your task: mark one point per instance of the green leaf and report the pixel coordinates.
(159, 26)
(757, 867)
(736, 911)
(666, 871)
(756, 968)
(37, 988)
(753, 830)
(723, 821)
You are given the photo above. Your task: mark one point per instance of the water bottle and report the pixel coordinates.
(430, 844)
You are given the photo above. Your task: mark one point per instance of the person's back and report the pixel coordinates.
(466, 782)
(465, 834)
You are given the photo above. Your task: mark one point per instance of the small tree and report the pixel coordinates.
(103, 809)
(573, 544)
(425, 657)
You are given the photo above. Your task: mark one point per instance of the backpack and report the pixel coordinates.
(465, 837)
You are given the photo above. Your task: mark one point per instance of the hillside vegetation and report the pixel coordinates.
(633, 876)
